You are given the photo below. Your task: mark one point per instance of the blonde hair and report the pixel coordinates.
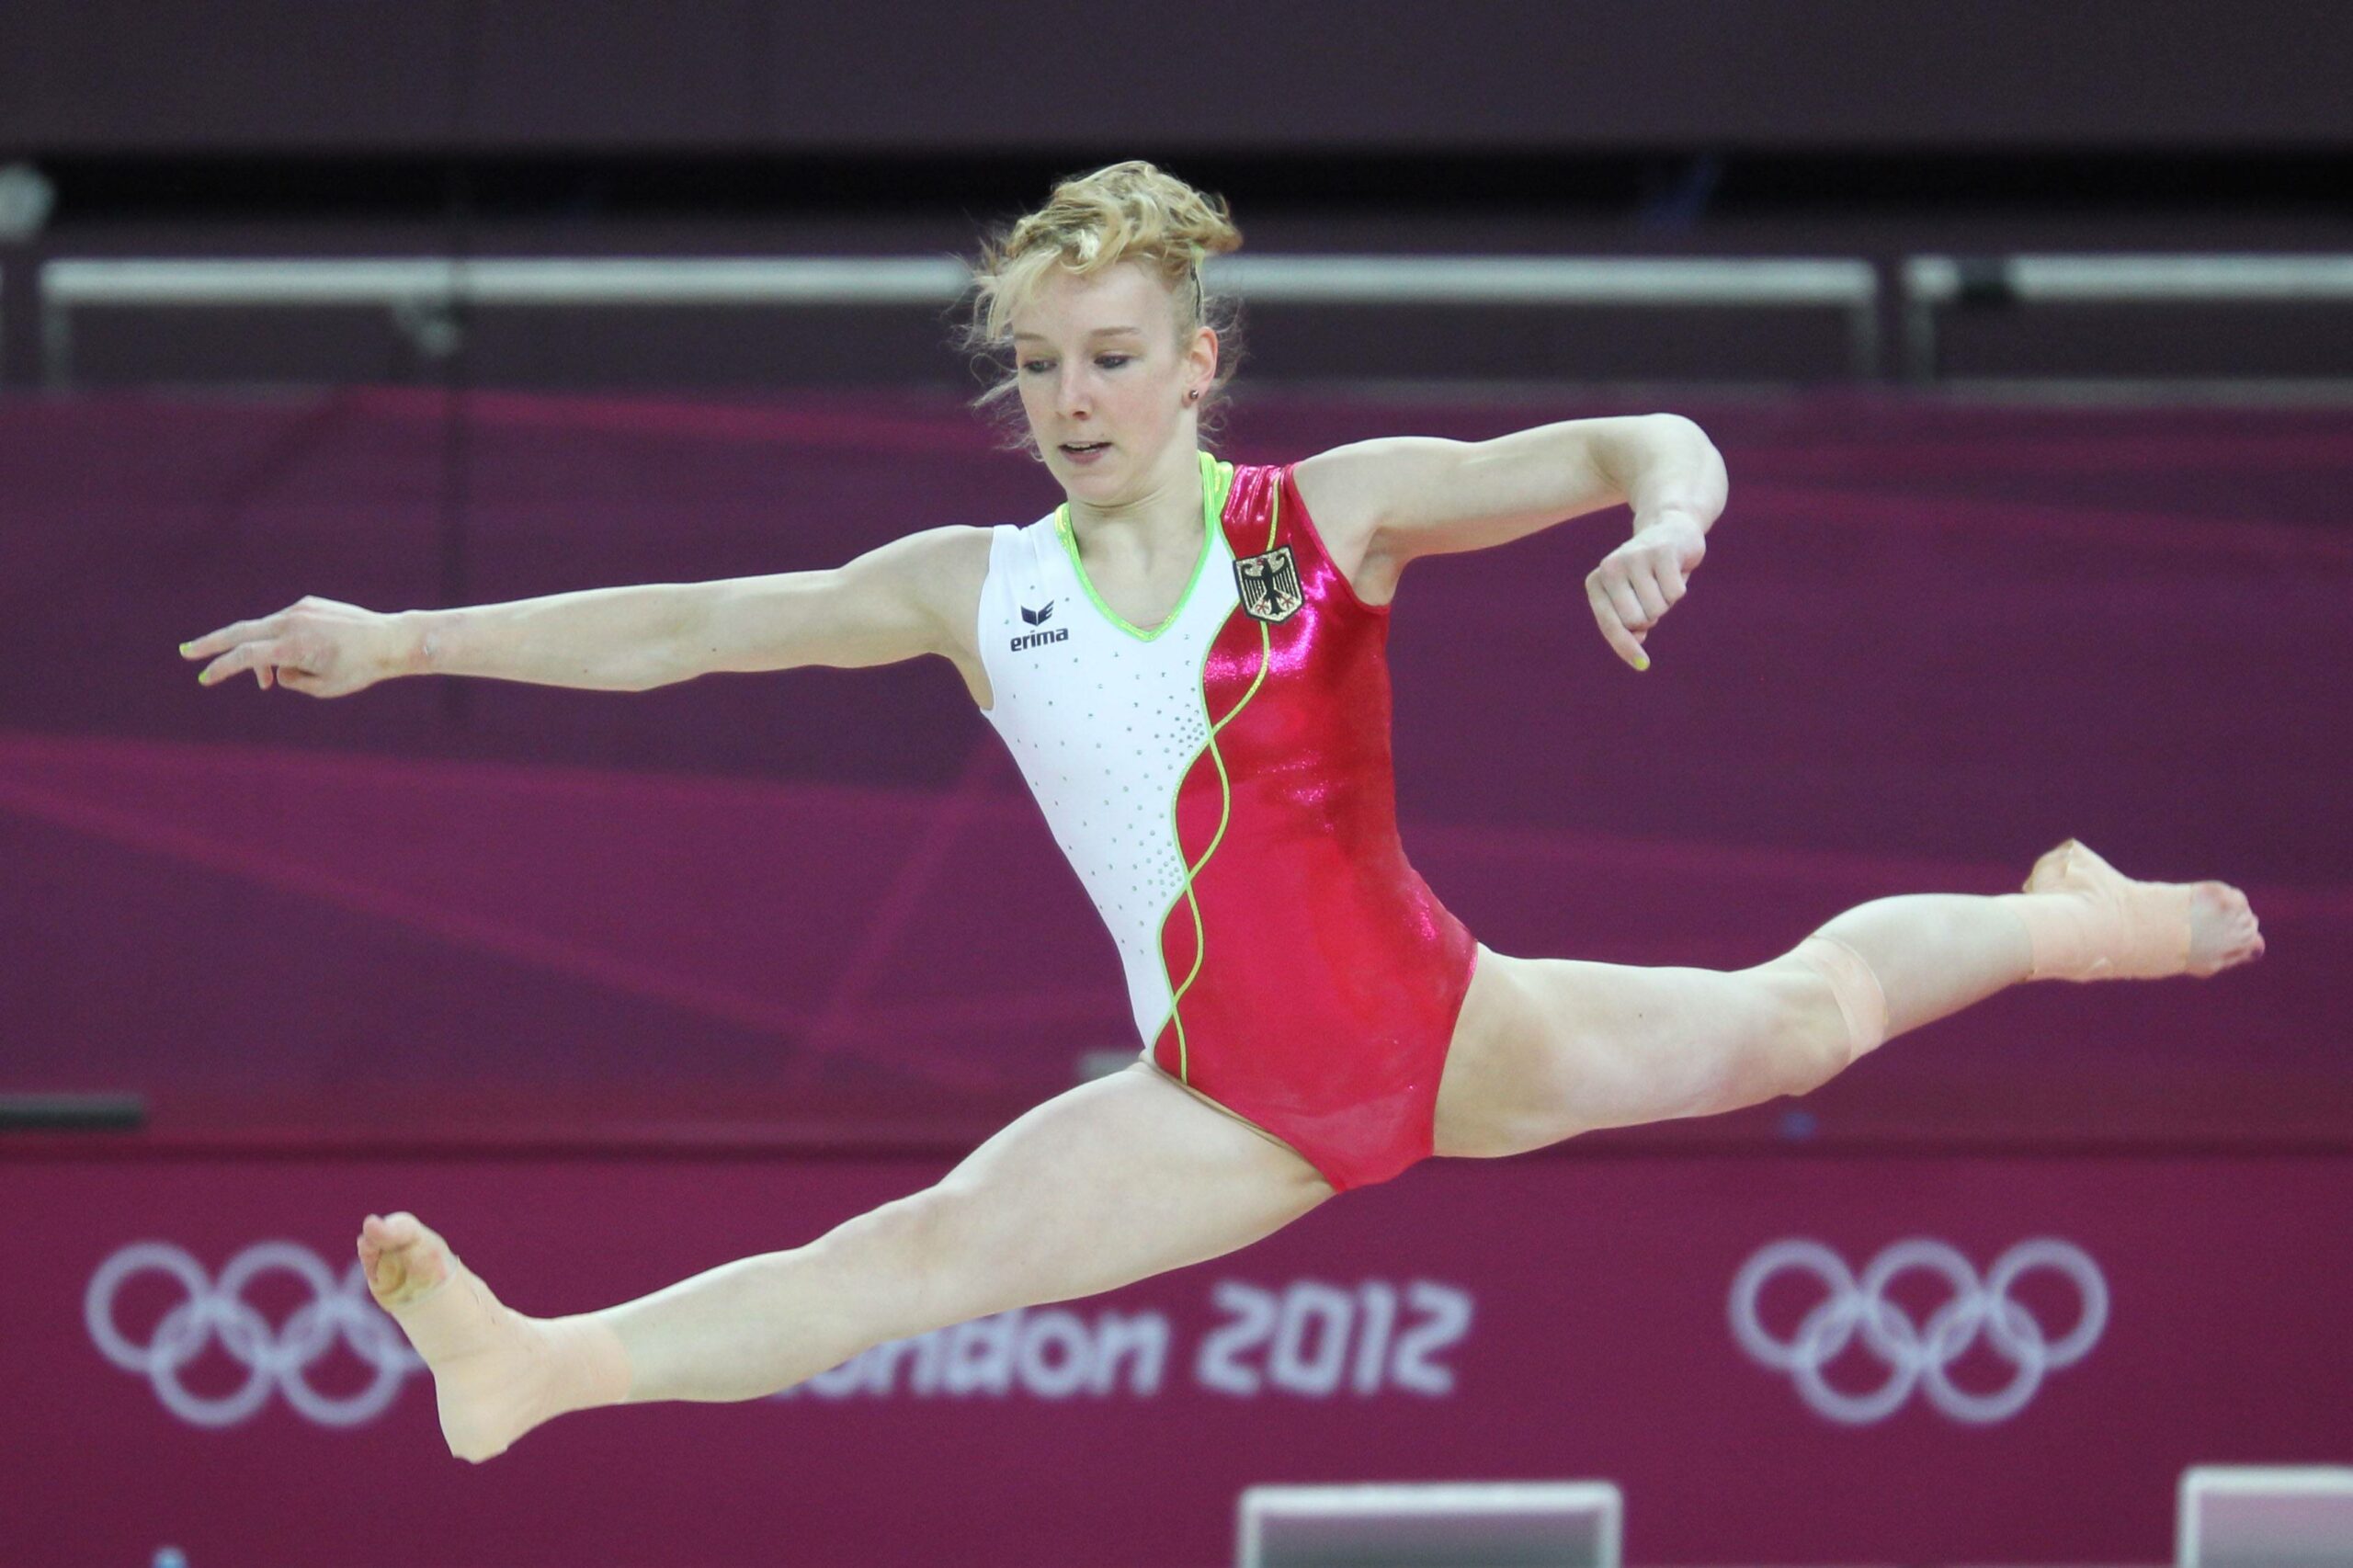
(1123, 213)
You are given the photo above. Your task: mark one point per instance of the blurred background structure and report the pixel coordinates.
(2027, 331)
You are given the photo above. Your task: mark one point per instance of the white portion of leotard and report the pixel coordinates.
(1104, 721)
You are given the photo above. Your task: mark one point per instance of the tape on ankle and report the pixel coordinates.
(1862, 1002)
(498, 1374)
(594, 1370)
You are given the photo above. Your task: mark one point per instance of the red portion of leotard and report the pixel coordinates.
(1329, 975)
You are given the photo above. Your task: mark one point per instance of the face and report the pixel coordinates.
(1105, 380)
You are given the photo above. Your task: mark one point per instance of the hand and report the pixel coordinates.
(1640, 581)
(315, 646)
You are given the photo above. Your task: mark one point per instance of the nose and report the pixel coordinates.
(1074, 391)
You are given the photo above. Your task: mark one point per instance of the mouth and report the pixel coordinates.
(1083, 449)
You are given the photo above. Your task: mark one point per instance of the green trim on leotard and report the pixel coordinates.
(1217, 480)
(1225, 805)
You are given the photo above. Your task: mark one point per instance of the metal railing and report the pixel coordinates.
(426, 294)
(1932, 283)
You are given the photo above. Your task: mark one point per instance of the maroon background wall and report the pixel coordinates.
(449, 74)
(1929, 642)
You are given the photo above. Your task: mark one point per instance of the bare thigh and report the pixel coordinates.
(1545, 1049)
(1113, 1181)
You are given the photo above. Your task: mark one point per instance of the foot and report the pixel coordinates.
(496, 1374)
(2143, 930)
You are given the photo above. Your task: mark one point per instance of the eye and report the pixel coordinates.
(1036, 367)
(1112, 361)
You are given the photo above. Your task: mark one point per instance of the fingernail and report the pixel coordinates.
(184, 648)
(1644, 665)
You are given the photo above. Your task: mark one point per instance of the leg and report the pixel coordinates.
(1116, 1180)
(2079, 918)
(1549, 1048)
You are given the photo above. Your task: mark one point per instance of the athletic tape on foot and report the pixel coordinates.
(497, 1374)
(1862, 1002)
(2136, 931)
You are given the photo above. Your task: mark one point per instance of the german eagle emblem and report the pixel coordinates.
(1270, 584)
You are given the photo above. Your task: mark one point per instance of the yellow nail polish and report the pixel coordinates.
(184, 648)
(1644, 665)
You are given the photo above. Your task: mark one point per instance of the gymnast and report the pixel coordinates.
(1186, 660)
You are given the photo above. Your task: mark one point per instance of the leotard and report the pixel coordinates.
(1222, 785)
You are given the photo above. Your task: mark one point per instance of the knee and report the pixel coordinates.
(1827, 1009)
(1804, 1034)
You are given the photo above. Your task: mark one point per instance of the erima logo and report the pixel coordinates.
(1038, 618)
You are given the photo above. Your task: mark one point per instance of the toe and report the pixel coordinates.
(385, 1277)
(405, 1231)
(403, 1258)
(2051, 869)
(2227, 895)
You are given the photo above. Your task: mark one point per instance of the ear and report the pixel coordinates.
(1201, 364)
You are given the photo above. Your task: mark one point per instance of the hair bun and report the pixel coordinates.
(1127, 211)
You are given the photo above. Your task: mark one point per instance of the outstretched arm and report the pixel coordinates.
(896, 602)
(1410, 496)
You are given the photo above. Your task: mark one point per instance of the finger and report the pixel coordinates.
(1646, 592)
(1671, 580)
(213, 642)
(228, 637)
(1629, 608)
(245, 656)
(1613, 630)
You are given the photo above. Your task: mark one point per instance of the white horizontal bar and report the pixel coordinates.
(1934, 278)
(1512, 279)
(2183, 277)
(927, 281)
(1337, 279)
(2089, 279)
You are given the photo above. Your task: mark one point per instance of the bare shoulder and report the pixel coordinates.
(917, 593)
(942, 570)
(944, 566)
(1351, 492)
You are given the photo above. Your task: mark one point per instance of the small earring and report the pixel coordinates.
(1193, 396)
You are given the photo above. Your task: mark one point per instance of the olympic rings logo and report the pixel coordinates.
(273, 1357)
(1919, 1355)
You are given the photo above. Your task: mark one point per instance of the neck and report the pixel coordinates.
(1162, 513)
